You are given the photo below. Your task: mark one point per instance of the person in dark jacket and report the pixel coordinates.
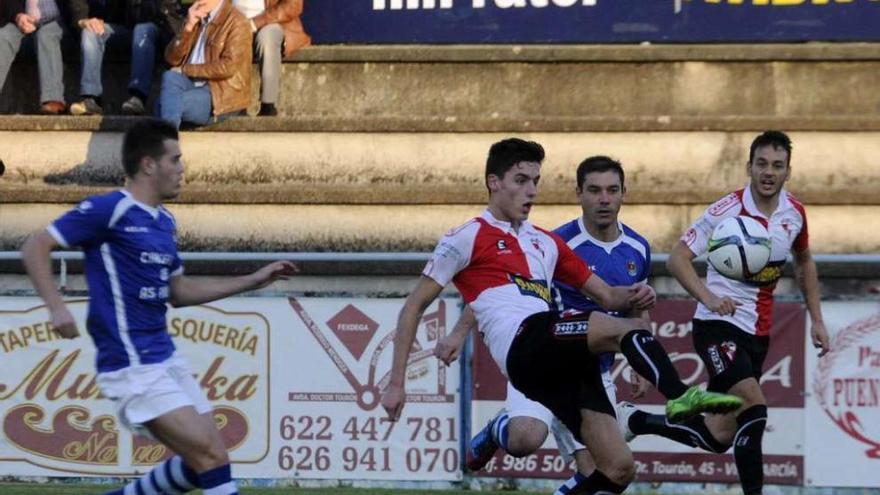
(144, 24)
(42, 18)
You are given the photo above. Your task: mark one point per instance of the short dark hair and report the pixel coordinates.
(145, 138)
(777, 139)
(506, 153)
(598, 163)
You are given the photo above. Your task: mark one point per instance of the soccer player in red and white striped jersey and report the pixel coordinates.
(732, 322)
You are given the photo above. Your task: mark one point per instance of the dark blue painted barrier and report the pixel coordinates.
(590, 21)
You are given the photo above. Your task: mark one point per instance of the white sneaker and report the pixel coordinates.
(624, 410)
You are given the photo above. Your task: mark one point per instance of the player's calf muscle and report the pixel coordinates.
(750, 392)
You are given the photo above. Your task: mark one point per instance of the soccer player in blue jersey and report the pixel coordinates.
(619, 256)
(133, 270)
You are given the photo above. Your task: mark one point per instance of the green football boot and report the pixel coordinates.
(697, 400)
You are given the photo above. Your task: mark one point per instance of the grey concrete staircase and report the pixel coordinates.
(383, 148)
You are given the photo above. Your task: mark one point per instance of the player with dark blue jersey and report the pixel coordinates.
(626, 260)
(133, 271)
(130, 256)
(619, 256)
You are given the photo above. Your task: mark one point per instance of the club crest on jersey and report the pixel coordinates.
(533, 288)
(571, 328)
(729, 349)
(786, 226)
(537, 245)
(631, 268)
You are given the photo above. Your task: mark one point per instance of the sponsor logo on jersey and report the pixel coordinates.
(153, 258)
(533, 288)
(447, 250)
(502, 247)
(136, 229)
(569, 328)
(724, 204)
(768, 275)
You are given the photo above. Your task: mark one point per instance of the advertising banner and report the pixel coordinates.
(590, 21)
(843, 405)
(295, 385)
(659, 459)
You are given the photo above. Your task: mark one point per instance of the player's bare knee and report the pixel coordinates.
(524, 445)
(526, 435)
(620, 469)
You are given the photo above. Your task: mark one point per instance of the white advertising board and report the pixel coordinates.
(295, 384)
(843, 403)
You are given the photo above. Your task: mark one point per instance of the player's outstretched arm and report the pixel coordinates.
(417, 302)
(187, 291)
(449, 347)
(36, 253)
(680, 265)
(807, 276)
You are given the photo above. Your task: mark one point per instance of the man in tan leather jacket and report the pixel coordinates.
(278, 33)
(210, 58)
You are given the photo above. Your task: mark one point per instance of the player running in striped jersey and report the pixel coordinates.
(503, 266)
(133, 269)
(731, 327)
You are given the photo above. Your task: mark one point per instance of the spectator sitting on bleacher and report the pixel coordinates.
(118, 23)
(210, 75)
(155, 23)
(42, 17)
(100, 23)
(278, 32)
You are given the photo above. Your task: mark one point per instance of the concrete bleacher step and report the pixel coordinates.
(312, 191)
(225, 165)
(383, 148)
(257, 228)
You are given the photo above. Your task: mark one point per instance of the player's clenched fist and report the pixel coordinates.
(449, 347)
(724, 306)
(642, 297)
(63, 323)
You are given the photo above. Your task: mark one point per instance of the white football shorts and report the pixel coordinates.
(518, 404)
(144, 392)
